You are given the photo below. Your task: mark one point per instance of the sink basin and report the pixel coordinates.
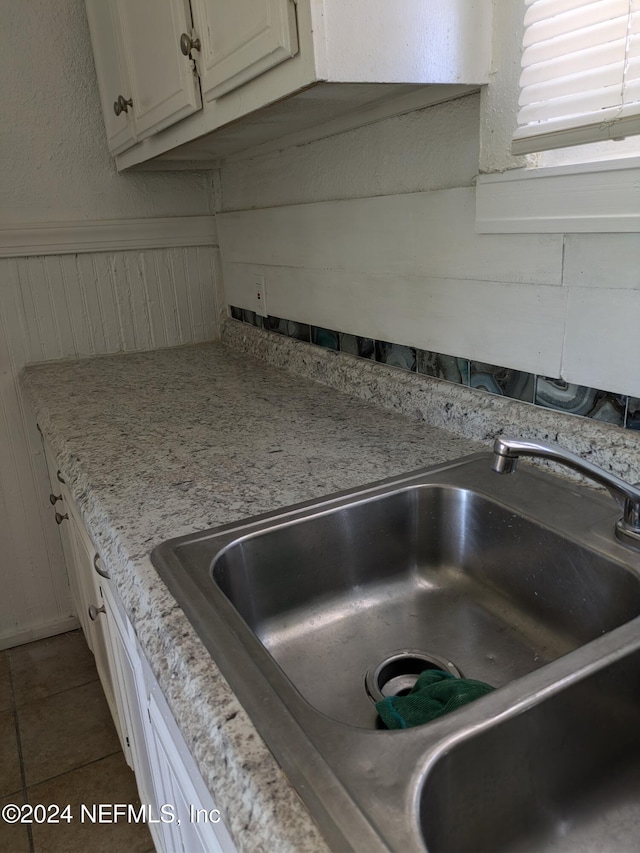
(563, 775)
(433, 568)
(313, 612)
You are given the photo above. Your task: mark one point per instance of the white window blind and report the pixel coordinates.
(580, 73)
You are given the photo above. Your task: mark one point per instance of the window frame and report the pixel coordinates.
(598, 197)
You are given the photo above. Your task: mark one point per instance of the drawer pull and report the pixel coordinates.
(53, 499)
(61, 518)
(102, 572)
(94, 611)
(60, 477)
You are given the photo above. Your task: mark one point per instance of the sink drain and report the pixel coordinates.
(396, 674)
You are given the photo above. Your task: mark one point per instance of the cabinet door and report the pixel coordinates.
(241, 39)
(164, 87)
(132, 703)
(199, 828)
(112, 83)
(97, 629)
(59, 500)
(68, 549)
(75, 572)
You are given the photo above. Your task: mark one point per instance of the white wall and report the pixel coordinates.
(55, 168)
(499, 100)
(55, 164)
(373, 232)
(407, 268)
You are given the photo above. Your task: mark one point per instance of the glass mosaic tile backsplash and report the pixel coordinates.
(617, 409)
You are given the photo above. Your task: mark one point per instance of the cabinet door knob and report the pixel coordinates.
(53, 499)
(102, 572)
(94, 611)
(187, 44)
(122, 105)
(60, 518)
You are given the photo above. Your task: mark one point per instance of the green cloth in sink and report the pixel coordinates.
(434, 694)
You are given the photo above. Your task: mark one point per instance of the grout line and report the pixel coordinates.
(27, 789)
(57, 693)
(73, 770)
(16, 723)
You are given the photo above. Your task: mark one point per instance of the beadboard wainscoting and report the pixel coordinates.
(69, 306)
(410, 268)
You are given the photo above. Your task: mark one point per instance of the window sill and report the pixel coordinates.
(585, 198)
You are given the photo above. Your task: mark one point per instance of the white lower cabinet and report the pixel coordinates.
(127, 699)
(198, 827)
(85, 562)
(182, 816)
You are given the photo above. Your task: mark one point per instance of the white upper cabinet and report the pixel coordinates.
(275, 72)
(162, 82)
(241, 40)
(112, 82)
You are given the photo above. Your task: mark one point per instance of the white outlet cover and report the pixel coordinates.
(260, 296)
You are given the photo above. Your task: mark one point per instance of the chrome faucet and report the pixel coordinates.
(508, 450)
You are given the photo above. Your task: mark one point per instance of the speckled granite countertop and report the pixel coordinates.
(160, 444)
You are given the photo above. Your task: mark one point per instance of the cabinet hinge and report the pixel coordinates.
(126, 737)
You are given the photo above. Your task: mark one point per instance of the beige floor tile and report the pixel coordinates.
(14, 837)
(5, 683)
(10, 779)
(107, 781)
(65, 731)
(48, 666)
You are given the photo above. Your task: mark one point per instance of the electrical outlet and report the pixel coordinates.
(260, 295)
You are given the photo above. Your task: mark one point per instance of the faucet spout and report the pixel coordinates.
(507, 451)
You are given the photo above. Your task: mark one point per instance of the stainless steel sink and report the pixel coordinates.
(429, 567)
(516, 581)
(562, 775)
